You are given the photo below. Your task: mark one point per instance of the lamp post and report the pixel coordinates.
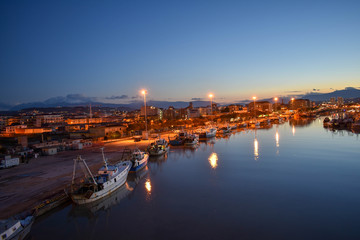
(292, 102)
(143, 92)
(275, 103)
(211, 97)
(254, 107)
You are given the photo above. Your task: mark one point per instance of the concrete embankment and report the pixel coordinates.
(44, 179)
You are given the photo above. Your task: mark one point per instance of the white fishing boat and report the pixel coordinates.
(208, 133)
(92, 209)
(159, 147)
(15, 229)
(95, 187)
(139, 160)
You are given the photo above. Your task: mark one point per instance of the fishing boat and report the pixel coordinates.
(179, 139)
(225, 129)
(159, 147)
(138, 159)
(191, 141)
(243, 125)
(208, 133)
(233, 127)
(108, 179)
(15, 229)
(92, 209)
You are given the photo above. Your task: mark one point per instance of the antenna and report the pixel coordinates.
(105, 161)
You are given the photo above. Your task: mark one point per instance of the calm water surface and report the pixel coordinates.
(288, 182)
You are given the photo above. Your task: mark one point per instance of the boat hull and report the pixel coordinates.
(158, 153)
(116, 182)
(141, 164)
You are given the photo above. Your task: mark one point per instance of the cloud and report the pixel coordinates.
(118, 97)
(316, 90)
(78, 97)
(135, 97)
(196, 99)
(71, 98)
(293, 91)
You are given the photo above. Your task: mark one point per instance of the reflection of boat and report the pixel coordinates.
(159, 147)
(208, 133)
(326, 122)
(103, 204)
(139, 160)
(108, 179)
(15, 229)
(356, 126)
(134, 178)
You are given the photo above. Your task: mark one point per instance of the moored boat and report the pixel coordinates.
(159, 147)
(15, 229)
(179, 139)
(225, 129)
(191, 141)
(95, 187)
(208, 133)
(138, 159)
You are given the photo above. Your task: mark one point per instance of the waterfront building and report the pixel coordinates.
(332, 100)
(204, 111)
(12, 129)
(194, 113)
(169, 113)
(42, 120)
(233, 108)
(340, 101)
(299, 103)
(262, 106)
(33, 130)
(106, 131)
(150, 111)
(83, 120)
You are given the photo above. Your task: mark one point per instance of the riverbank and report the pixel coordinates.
(28, 185)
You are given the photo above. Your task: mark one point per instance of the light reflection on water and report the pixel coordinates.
(148, 186)
(213, 159)
(311, 183)
(293, 130)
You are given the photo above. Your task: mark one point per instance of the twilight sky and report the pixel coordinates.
(178, 50)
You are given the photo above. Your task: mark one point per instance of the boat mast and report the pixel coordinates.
(86, 166)
(104, 159)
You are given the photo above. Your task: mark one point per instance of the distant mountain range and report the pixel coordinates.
(347, 93)
(124, 107)
(79, 100)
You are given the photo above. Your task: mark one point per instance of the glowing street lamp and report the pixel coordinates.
(292, 102)
(254, 107)
(275, 99)
(211, 98)
(144, 92)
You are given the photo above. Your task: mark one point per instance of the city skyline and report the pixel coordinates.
(178, 51)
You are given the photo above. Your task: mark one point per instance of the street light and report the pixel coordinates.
(144, 92)
(292, 102)
(254, 107)
(211, 97)
(275, 102)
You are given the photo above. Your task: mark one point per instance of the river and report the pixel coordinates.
(295, 180)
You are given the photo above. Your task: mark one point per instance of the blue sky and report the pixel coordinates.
(178, 50)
